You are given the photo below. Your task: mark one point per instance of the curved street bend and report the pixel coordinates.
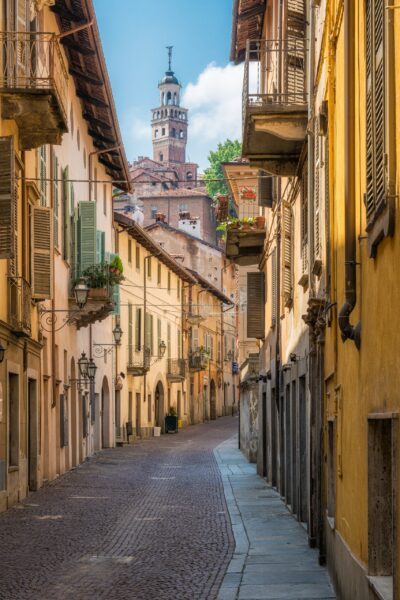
(158, 520)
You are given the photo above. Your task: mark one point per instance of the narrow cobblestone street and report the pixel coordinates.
(146, 522)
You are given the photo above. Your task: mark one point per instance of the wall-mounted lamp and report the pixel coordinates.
(293, 357)
(81, 292)
(92, 368)
(161, 349)
(117, 333)
(83, 364)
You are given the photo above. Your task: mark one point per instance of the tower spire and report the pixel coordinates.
(169, 48)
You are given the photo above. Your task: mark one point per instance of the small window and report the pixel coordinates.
(159, 274)
(129, 251)
(169, 98)
(156, 133)
(189, 176)
(161, 157)
(105, 198)
(173, 132)
(169, 281)
(163, 131)
(149, 268)
(178, 289)
(137, 258)
(154, 211)
(181, 134)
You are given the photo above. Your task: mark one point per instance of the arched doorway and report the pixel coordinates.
(159, 405)
(75, 440)
(213, 400)
(105, 414)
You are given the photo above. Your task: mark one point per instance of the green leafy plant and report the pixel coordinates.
(96, 276)
(213, 175)
(116, 264)
(172, 412)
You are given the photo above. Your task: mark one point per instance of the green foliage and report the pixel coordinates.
(116, 263)
(226, 152)
(172, 412)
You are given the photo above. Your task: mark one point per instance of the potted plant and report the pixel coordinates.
(97, 279)
(116, 266)
(260, 222)
(171, 421)
(247, 223)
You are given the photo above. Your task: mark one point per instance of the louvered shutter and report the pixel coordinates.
(169, 340)
(255, 305)
(8, 199)
(42, 248)
(66, 191)
(43, 175)
(304, 220)
(317, 191)
(138, 329)
(287, 253)
(274, 286)
(87, 235)
(295, 56)
(265, 190)
(98, 247)
(375, 107)
(158, 336)
(179, 342)
(55, 199)
(195, 338)
(130, 333)
(116, 298)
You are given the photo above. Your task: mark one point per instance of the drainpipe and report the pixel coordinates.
(348, 330)
(310, 149)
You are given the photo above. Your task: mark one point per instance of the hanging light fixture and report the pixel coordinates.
(81, 292)
(83, 364)
(117, 333)
(161, 349)
(92, 368)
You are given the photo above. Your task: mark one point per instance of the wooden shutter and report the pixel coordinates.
(266, 189)
(138, 329)
(87, 235)
(158, 336)
(317, 191)
(55, 199)
(255, 305)
(287, 253)
(304, 220)
(179, 343)
(42, 248)
(295, 56)
(43, 175)
(376, 87)
(195, 338)
(116, 298)
(64, 425)
(66, 191)
(169, 340)
(130, 332)
(101, 247)
(274, 286)
(8, 199)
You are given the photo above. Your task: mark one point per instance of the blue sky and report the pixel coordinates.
(134, 35)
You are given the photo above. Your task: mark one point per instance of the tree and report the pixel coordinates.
(226, 152)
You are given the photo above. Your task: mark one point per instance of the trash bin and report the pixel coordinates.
(171, 424)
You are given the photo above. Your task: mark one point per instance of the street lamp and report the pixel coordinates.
(81, 292)
(91, 369)
(2, 352)
(117, 333)
(83, 364)
(161, 349)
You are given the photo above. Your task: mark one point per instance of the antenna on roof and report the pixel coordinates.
(169, 48)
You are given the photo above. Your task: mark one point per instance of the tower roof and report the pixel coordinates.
(169, 76)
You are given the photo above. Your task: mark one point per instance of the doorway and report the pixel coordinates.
(213, 400)
(159, 405)
(105, 414)
(32, 435)
(75, 439)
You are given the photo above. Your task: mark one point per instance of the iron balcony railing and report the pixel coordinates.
(19, 305)
(138, 358)
(32, 61)
(274, 73)
(198, 360)
(176, 367)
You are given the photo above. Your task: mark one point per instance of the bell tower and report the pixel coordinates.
(169, 122)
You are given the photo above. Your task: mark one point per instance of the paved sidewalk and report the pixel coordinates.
(272, 559)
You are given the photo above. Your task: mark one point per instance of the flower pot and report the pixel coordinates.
(246, 226)
(98, 293)
(260, 222)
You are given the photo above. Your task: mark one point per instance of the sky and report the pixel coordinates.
(134, 35)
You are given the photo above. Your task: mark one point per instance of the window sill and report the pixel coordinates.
(382, 587)
(381, 226)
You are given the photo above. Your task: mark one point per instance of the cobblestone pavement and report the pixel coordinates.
(140, 522)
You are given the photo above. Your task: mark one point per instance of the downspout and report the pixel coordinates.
(348, 330)
(139, 417)
(310, 149)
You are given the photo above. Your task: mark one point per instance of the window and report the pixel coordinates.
(149, 268)
(163, 131)
(149, 337)
(181, 134)
(183, 208)
(255, 305)
(287, 253)
(156, 133)
(173, 132)
(169, 340)
(169, 98)
(159, 274)
(169, 281)
(159, 338)
(130, 334)
(56, 199)
(161, 157)
(154, 211)
(105, 198)
(179, 343)
(189, 176)
(129, 251)
(78, 139)
(178, 289)
(95, 184)
(130, 407)
(304, 221)
(138, 329)
(13, 411)
(380, 125)
(137, 257)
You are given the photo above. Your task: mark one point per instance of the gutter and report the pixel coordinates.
(349, 332)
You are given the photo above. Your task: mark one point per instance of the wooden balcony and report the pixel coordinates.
(176, 369)
(275, 110)
(33, 87)
(19, 306)
(138, 360)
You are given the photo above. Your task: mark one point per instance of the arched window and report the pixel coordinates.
(173, 132)
(161, 156)
(162, 98)
(163, 131)
(156, 133)
(169, 98)
(189, 176)
(154, 115)
(175, 98)
(158, 115)
(181, 134)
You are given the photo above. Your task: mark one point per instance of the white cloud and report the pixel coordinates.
(136, 132)
(214, 102)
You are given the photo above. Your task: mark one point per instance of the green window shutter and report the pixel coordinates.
(87, 235)
(55, 199)
(151, 335)
(66, 215)
(116, 295)
(138, 329)
(255, 305)
(169, 340)
(130, 327)
(42, 246)
(158, 336)
(98, 247)
(8, 199)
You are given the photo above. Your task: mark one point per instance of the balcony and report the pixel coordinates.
(33, 87)
(245, 241)
(198, 360)
(275, 111)
(176, 369)
(102, 297)
(19, 306)
(138, 360)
